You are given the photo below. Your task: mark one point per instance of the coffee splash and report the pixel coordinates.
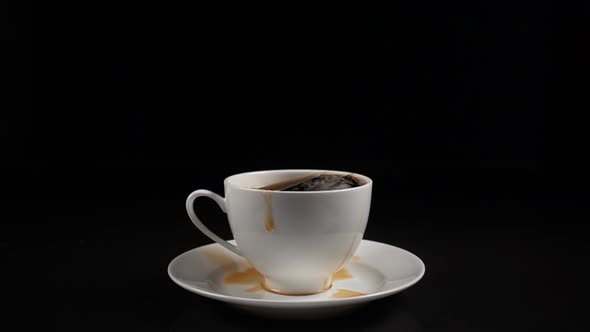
(269, 223)
(344, 293)
(324, 182)
(316, 182)
(288, 183)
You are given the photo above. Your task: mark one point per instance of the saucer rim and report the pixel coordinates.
(287, 302)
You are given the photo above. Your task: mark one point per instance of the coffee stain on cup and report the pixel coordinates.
(356, 259)
(344, 293)
(269, 223)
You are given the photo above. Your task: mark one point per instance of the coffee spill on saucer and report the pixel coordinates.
(344, 293)
(217, 257)
(349, 252)
(342, 274)
(254, 289)
(247, 277)
(269, 223)
(356, 259)
(252, 277)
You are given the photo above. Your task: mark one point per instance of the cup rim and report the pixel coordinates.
(368, 181)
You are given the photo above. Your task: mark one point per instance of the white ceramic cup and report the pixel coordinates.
(296, 239)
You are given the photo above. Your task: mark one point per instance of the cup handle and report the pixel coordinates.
(191, 213)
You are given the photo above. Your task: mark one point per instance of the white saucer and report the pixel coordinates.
(377, 270)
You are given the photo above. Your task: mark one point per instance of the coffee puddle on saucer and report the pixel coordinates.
(217, 256)
(342, 274)
(254, 289)
(249, 276)
(253, 278)
(344, 293)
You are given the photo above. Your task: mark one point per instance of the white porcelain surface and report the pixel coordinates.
(311, 234)
(376, 270)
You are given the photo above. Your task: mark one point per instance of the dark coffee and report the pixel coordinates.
(317, 182)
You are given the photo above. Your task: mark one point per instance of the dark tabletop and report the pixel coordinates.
(508, 271)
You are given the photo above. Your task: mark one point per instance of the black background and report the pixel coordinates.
(465, 116)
